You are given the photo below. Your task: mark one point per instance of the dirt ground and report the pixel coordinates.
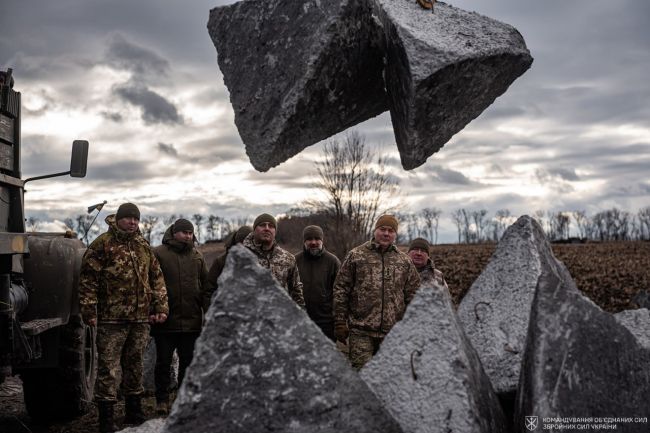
(611, 274)
(14, 418)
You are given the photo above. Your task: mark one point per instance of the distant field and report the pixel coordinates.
(610, 273)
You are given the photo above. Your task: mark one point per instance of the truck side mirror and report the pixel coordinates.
(79, 160)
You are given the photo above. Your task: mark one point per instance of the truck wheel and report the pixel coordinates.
(65, 392)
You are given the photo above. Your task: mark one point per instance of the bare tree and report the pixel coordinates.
(33, 223)
(431, 218)
(212, 226)
(501, 221)
(198, 225)
(539, 216)
(83, 224)
(457, 218)
(643, 215)
(582, 222)
(147, 226)
(358, 187)
(480, 223)
(612, 225)
(559, 225)
(69, 223)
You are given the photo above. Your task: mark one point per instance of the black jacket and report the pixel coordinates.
(186, 278)
(317, 275)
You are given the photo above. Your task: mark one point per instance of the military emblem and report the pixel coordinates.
(531, 423)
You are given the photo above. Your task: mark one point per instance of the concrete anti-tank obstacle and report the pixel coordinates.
(300, 72)
(580, 362)
(496, 309)
(262, 365)
(443, 69)
(154, 425)
(638, 323)
(428, 375)
(297, 71)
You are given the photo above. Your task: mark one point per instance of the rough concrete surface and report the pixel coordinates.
(443, 69)
(638, 323)
(495, 311)
(299, 72)
(152, 426)
(262, 365)
(579, 361)
(428, 375)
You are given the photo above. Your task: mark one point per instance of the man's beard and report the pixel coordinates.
(315, 251)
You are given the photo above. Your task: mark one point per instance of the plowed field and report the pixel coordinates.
(610, 273)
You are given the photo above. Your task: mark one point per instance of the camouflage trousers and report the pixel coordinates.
(362, 346)
(120, 347)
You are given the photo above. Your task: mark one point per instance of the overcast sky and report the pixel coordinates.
(140, 81)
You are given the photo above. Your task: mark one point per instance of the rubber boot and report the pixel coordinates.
(133, 414)
(162, 405)
(107, 416)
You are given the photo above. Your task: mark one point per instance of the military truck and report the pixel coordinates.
(42, 336)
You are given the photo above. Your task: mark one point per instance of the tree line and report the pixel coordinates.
(356, 186)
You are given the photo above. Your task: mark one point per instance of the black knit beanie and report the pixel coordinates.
(241, 234)
(182, 225)
(127, 210)
(265, 218)
(312, 232)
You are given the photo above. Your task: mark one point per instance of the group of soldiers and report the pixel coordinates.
(131, 291)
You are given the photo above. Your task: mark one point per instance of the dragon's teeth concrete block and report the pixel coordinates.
(428, 374)
(298, 71)
(581, 362)
(496, 309)
(262, 365)
(443, 69)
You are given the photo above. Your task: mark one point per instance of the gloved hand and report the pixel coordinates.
(341, 332)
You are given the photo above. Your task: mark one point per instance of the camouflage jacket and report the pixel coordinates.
(429, 275)
(372, 289)
(120, 279)
(282, 265)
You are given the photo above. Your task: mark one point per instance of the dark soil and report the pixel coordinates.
(14, 418)
(609, 273)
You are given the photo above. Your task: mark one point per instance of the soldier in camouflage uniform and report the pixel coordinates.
(419, 253)
(374, 285)
(281, 263)
(121, 290)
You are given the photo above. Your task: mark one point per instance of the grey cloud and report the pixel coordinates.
(167, 149)
(37, 160)
(120, 171)
(126, 55)
(112, 116)
(223, 148)
(563, 173)
(446, 175)
(155, 108)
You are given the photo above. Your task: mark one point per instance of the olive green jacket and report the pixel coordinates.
(186, 278)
